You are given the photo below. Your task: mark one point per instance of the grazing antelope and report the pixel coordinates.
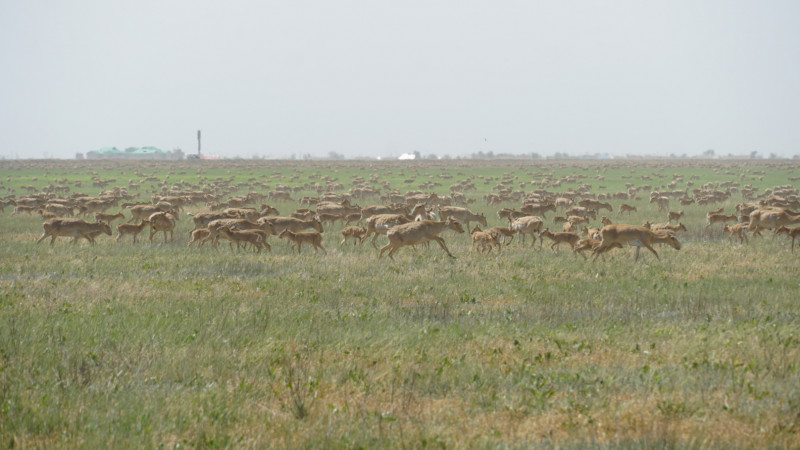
(568, 227)
(357, 233)
(413, 233)
(626, 208)
(308, 237)
(558, 238)
(605, 221)
(73, 228)
(793, 232)
(739, 230)
(129, 228)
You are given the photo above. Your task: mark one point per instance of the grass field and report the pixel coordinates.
(160, 345)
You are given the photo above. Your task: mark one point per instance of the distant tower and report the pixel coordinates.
(198, 143)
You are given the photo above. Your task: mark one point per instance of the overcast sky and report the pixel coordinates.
(380, 78)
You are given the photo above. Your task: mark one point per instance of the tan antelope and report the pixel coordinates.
(793, 232)
(770, 219)
(298, 239)
(294, 224)
(661, 201)
(538, 209)
(132, 229)
(74, 228)
(658, 238)
(108, 218)
(256, 238)
(666, 227)
(215, 226)
(511, 214)
(413, 233)
(501, 234)
(381, 223)
(558, 238)
(739, 230)
(720, 218)
(163, 222)
(483, 240)
(626, 208)
(528, 225)
(623, 234)
(141, 212)
(357, 233)
(199, 235)
(463, 215)
(586, 213)
(674, 215)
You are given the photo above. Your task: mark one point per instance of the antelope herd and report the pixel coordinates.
(417, 217)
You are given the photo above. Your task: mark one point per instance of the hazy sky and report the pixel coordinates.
(379, 78)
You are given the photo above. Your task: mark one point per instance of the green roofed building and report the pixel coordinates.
(134, 153)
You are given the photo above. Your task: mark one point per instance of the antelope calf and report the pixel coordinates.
(307, 237)
(720, 218)
(133, 230)
(558, 238)
(357, 233)
(739, 230)
(108, 218)
(675, 215)
(199, 235)
(483, 241)
(626, 208)
(257, 238)
(794, 232)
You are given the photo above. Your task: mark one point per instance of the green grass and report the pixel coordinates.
(157, 344)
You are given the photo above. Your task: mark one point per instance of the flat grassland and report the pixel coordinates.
(160, 345)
